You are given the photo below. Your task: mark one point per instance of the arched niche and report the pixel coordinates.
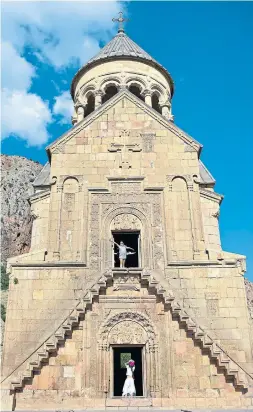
(69, 221)
(182, 219)
(155, 98)
(90, 106)
(126, 219)
(109, 91)
(136, 88)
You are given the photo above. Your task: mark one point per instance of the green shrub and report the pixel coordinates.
(4, 278)
(3, 312)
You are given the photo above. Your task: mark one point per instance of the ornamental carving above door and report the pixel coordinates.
(126, 221)
(127, 333)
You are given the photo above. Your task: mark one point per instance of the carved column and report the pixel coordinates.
(152, 369)
(98, 98)
(157, 371)
(166, 109)
(147, 94)
(103, 369)
(80, 114)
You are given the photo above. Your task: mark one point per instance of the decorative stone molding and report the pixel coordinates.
(127, 333)
(144, 206)
(63, 178)
(126, 222)
(116, 147)
(59, 149)
(126, 282)
(187, 178)
(130, 316)
(125, 187)
(59, 188)
(148, 142)
(208, 194)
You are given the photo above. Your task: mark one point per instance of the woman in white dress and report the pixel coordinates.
(129, 386)
(123, 252)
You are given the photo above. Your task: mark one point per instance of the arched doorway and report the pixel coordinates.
(124, 335)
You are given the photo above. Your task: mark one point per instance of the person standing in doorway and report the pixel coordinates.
(123, 252)
(129, 386)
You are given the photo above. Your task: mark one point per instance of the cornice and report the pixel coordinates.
(211, 195)
(39, 196)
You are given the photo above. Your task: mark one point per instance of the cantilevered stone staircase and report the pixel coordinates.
(231, 369)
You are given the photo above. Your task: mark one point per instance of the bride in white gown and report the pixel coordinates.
(129, 386)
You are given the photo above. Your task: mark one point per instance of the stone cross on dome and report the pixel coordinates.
(120, 20)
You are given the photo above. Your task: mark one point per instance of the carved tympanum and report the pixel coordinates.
(126, 221)
(127, 332)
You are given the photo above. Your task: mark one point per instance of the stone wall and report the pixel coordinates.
(177, 371)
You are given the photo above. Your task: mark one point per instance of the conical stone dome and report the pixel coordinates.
(121, 47)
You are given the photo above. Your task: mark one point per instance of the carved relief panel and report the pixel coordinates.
(128, 209)
(126, 221)
(127, 333)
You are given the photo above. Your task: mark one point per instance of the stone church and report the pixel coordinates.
(126, 172)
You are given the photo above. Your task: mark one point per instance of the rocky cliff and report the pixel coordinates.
(17, 176)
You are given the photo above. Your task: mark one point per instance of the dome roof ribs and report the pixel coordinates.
(121, 47)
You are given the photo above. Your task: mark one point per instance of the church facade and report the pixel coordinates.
(126, 173)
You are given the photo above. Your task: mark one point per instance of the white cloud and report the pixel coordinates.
(63, 107)
(58, 33)
(17, 73)
(25, 115)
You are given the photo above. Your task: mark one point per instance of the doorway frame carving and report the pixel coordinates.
(144, 367)
(143, 226)
(149, 342)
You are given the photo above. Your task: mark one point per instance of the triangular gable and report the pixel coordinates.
(188, 140)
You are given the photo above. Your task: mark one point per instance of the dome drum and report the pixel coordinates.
(121, 64)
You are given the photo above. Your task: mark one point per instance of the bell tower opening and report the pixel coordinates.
(90, 105)
(136, 91)
(131, 239)
(122, 355)
(110, 91)
(155, 103)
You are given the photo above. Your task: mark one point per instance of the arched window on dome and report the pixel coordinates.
(110, 91)
(136, 91)
(155, 103)
(90, 107)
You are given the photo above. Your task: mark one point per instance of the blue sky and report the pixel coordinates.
(207, 48)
